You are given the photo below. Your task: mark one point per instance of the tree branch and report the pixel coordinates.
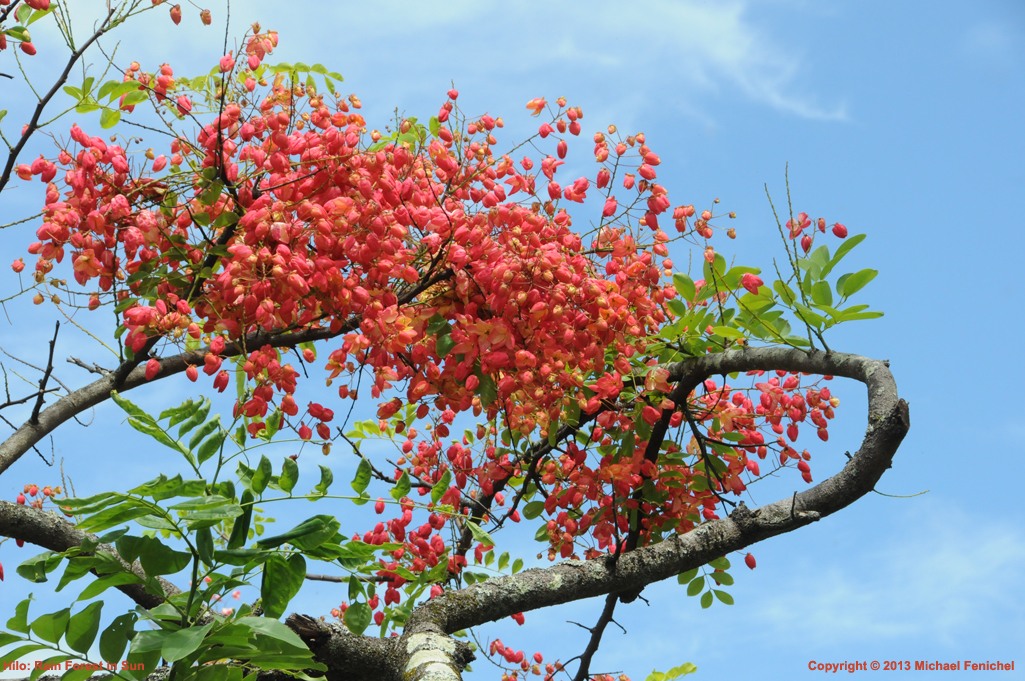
(596, 633)
(426, 651)
(99, 390)
(888, 422)
(51, 531)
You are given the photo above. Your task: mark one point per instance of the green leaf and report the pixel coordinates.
(23, 14)
(517, 565)
(696, 586)
(678, 307)
(441, 486)
(240, 530)
(445, 344)
(182, 643)
(844, 249)
(821, 293)
(114, 638)
(401, 487)
(357, 618)
(281, 582)
(855, 316)
(857, 281)
(158, 559)
(20, 652)
(684, 286)
(362, 479)
(356, 589)
(39, 14)
(306, 527)
(104, 583)
(240, 557)
(727, 332)
(19, 622)
(205, 546)
(211, 446)
(706, 599)
(51, 627)
(88, 105)
(533, 509)
(197, 417)
(785, 292)
(109, 118)
(807, 315)
(289, 475)
(20, 32)
(134, 97)
(723, 578)
(129, 407)
(148, 661)
(35, 568)
(687, 577)
(262, 476)
(722, 596)
(479, 534)
(326, 478)
(273, 424)
(83, 626)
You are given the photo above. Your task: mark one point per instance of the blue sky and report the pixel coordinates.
(901, 120)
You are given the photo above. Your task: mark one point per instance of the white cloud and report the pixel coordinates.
(670, 50)
(952, 574)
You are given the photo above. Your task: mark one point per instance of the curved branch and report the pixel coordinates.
(888, 422)
(426, 651)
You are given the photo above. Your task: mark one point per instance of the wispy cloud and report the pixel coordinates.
(671, 50)
(953, 574)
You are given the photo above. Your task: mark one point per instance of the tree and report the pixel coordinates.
(595, 380)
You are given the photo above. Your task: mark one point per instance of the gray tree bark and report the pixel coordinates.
(427, 652)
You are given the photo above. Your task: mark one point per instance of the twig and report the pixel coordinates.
(34, 419)
(94, 369)
(583, 671)
(31, 127)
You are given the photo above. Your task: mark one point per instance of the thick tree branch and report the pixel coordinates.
(888, 422)
(50, 530)
(426, 651)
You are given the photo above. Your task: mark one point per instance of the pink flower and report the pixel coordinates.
(839, 230)
(227, 63)
(610, 207)
(221, 382)
(184, 105)
(152, 369)
(751, 282)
